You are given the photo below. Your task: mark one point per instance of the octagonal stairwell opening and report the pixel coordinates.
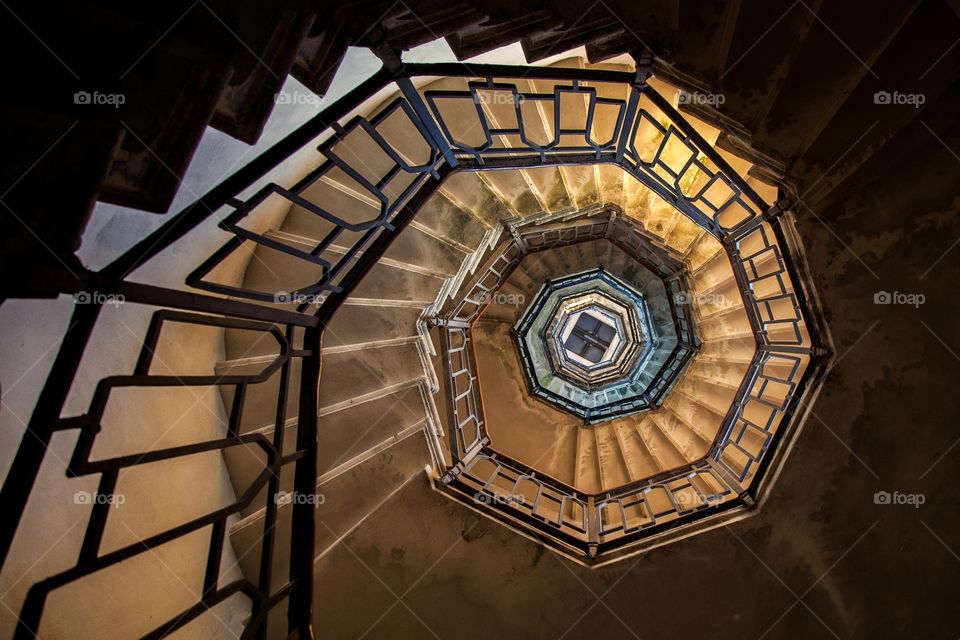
(517, 438)
(600, 457)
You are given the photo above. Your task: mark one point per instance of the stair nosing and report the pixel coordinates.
(370, 396)
(337, 249)
(258, 515)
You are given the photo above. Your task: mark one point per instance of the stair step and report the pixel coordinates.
(640, 464)
(861, 126)
(582, 184)
(855, 38)
(469, 192)
(522, 281)
(406, 28)
(588, 462)
(719, 298)
(387, 281)
(724, 326)
(414, 530)
(260, 400)
(712, 274)
(518, 425)
(704, 37)
(702, 251)
(514, 191)
(152, 158)
(770, 193)
(319, 55)
(347, 499)
(354, 373)
(613, 467)
(697, 410)
(661, 449)
(502, 312)
(498, 31)
(746, 78)
(548, 184)
(414, 246)
(536, 267)
(269, 271)
(580, 181)
(446, 220)
(684, 440)
(345, 434)
(611, 179)
(266, 60)
(356, 324)
(578, 31)
(721, 373)
(732, 350)
(238, 344)
(683, 234)
(715, 397)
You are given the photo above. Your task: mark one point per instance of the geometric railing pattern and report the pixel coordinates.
(405, 150)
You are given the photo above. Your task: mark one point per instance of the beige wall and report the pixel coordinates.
(150, 588)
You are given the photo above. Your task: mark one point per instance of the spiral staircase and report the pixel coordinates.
(385, 411)
(415, 239)
(420, 367)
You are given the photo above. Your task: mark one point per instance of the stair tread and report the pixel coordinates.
(347, 499)
(354, 373)
(348, 433)
(854, 39)
(518, 425)
(613, 468)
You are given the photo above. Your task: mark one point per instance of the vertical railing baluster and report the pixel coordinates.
(303, 526)
(410, 92)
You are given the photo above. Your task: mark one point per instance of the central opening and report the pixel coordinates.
(590, 338)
